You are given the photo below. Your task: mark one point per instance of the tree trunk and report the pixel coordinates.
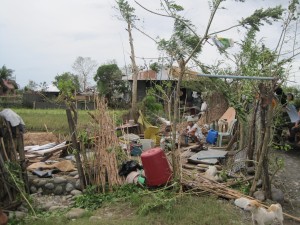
(242, 135)
(134, 76)
(266, 178)
(251, 143)
(175, 151)
(263, 156)
(76, 148)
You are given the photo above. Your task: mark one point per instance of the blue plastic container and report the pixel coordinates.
(136, 150)
(212, 137)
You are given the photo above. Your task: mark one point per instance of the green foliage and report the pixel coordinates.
(14, 171)
(6, 73)
(184, 41)
(293, 8)
(155, 67)
(283, 146)
(67, 83)
(43, 217)
(109, 81)
(172, 6)
(151, 105)
(184, 210)
(244, 188)
(161, 200)
(260, 15)
(91, 200)
(147, 201)
(126, 11)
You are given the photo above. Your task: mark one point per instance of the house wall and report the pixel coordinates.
(48, 101)
(141, 91)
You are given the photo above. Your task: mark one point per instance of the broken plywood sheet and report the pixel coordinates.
(207, 157)
(64, 166)
(53, 149)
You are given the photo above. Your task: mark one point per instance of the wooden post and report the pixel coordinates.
(20, 149)
(76, 147)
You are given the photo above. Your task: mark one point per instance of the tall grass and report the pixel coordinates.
(55, 120)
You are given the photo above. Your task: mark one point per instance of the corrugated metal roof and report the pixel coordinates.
(8, 84)
(163, 74)
(147, 75)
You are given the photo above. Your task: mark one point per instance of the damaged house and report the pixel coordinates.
(149, 78)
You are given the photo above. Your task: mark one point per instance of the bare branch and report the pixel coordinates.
(295, 36)
(229, 28)
(147, 35)
(205, 36)
(170, 16)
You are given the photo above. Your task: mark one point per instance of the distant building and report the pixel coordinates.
(149, 78)
(8, 87)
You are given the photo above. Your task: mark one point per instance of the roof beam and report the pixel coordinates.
(237, 77)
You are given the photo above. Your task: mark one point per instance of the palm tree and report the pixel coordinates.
(5, 73)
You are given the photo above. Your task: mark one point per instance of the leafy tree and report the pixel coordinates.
(154, 66)
(31, 86)
(109, 80)
(185, 44)
(84, 67)
(67, 83)
(6, 73)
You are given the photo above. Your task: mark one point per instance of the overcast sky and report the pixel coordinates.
(42, 38)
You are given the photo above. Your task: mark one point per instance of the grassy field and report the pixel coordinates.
(55, 120)
(186, 211)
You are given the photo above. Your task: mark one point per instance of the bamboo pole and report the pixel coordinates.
(20, 148)
(76, 148)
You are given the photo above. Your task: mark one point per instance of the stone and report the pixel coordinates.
(23, 208)
(259, 183)
(57, 207)
(59, 180)
(33, 189)
(35, 181)
(95, 218)
(75, 213)
(42, 183)
(251, 170)
(69, 187)
(76, 192)
(40, 190)
(49, 186)
(58, 190)
(76, 176)
(241, 202)
(69, 196)
(17, 215)
(259, 195)
(74, 173)
(47, 205)
(277, 195)
(77, 185)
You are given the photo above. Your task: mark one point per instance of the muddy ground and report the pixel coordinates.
(288, 180)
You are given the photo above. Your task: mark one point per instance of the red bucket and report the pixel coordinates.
(156, 167)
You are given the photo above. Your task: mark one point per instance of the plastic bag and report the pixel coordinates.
(128, 167)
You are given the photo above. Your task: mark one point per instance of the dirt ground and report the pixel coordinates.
(288, 180)
(39, 138)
